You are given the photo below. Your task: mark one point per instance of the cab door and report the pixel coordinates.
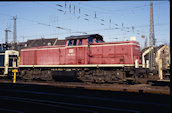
(71, 52)
(13, 61)
(81, 53)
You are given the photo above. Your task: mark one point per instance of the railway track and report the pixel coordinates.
(74, 97)
(137, 88)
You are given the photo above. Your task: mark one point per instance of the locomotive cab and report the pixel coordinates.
(9, 61)
(83, 40)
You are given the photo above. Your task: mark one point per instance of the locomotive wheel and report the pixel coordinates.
(94, 76)
(22, 73)
(118, 75)
(46, 75)
(102, 76)
(85, 76)
(27, 74)
(36, 73)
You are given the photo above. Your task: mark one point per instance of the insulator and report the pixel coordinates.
(70, 8)
(60, 10)
(79, 10)
(59, 5)
(65, 4)
(110, 21)
(74, 9)
(85, 18)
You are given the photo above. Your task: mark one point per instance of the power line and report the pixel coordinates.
(123, 9)
(70, 5)
(86, 32)
(52, 34)
(79, 13)
(81, 16)
(107, 11)
(40, 23)
(8, 4)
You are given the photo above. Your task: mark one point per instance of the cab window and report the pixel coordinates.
(80, 42)
(74, 42)
(90, 40)
(97, 40)
(70, 43)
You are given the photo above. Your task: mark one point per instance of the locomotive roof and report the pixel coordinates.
(84, 36)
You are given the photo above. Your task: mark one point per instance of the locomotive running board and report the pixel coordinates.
(91, 65)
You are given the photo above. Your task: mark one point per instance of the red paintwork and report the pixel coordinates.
(100, 53)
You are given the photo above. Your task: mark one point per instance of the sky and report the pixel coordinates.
(114, 20)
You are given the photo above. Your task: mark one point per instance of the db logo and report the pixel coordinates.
(70, 50)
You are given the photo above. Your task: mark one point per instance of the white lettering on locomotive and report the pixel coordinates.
(70, 54)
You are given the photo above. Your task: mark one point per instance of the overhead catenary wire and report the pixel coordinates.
(83, 19)
(8, 4)
(136, 7)
(85, 32)
(41, 23)
(122, 9)
(78, 17)
(107, 11)
(74, 9)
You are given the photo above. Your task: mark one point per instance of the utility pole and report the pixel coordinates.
(6, 35)
(15, 34)
(151, 37)
(145, 43)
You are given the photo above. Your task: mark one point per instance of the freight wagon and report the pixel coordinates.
(87, 58)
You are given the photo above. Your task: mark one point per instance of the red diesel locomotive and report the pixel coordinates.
(87, 58)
